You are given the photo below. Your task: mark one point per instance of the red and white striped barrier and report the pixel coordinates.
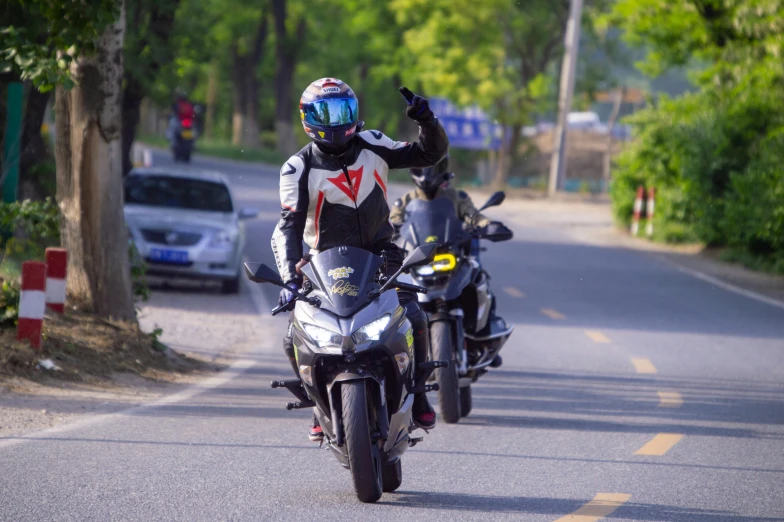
(637, 211)
(649, 211)
(56, 265)
(32, 302)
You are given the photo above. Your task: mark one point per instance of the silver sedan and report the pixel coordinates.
(184, 224)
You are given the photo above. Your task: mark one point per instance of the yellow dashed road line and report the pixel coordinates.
(597, 336)
(552, 314)
(514, 292)
(643, 366)
(670, 399)
(602, 505)
(660, 444)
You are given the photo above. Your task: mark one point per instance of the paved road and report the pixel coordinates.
(629, 389)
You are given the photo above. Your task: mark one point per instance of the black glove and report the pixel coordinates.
(286, 298)
(418, 107)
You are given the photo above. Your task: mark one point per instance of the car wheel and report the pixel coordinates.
(230, 286)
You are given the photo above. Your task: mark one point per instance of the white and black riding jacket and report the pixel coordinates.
(329, 200)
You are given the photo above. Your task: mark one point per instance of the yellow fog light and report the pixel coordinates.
(444, 262)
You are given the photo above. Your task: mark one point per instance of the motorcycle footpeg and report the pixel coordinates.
(299, 404)
(285, 384)
(423, 388)
(432, 365)
(415, 441)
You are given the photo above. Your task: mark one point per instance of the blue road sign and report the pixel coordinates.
(468, 128)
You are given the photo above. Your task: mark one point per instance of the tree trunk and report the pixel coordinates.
(212, 95)
(245, 118)
(131, 103)
(506, 156)
(286, 49)
(33, 148)
(89, 180)
(607, 167)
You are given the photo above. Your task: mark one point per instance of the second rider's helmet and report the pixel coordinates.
(329, 112)
(429, 179)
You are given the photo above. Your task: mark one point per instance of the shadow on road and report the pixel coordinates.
(555, 507)
(615, 288)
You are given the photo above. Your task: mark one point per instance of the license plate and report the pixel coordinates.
(174, 257)
(187, 134)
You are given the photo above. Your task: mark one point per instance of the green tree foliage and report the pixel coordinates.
(715, 155)
(39, 38)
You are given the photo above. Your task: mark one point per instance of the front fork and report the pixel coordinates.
(455, 318)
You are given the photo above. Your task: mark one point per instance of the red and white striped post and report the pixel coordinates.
(56, 265)
(649, 211)
(32, 302)
(637, 211)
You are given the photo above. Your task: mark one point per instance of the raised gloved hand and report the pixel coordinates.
(418, 107)
(286, 298)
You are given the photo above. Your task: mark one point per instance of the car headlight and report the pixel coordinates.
(321, 336)
(371, 331)
(441, 263)
(223, 239)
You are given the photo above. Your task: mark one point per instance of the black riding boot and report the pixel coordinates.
(314, 434)
(423, 413)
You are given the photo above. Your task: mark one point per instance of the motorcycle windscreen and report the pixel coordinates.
(344, 276)
(433, 221)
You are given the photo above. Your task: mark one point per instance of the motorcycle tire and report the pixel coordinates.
(466, 402)
(392, 476)
(449, 392)
(364, 457)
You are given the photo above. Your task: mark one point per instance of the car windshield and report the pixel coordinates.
(175, 192)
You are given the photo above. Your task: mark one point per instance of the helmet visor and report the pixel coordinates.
(331, 112)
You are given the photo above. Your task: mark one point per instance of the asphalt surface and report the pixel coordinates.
(629, 389)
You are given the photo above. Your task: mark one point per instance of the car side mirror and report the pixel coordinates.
(496, 198)
(261, 273)
(248, 213)
(421, 255)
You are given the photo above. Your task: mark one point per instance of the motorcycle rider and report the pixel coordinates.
(433, 182)
(334, 192)
(182, 109)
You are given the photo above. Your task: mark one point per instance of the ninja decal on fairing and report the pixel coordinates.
(343, 287)
(340, 273)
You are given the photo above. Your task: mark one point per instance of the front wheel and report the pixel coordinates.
(364, 457)
(392, 476)
(449, 392)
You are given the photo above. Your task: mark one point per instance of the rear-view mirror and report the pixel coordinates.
(248, 213)
(261, 273)
(496, 198)
(421, 255)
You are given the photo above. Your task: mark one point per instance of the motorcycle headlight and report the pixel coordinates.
(371, 331)
(321, 336)
(223, 239)
(441, 263)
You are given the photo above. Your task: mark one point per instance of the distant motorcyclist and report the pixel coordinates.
(182, 108)
(333, 193)
(433, 182)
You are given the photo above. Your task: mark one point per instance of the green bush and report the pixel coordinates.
(717, 163)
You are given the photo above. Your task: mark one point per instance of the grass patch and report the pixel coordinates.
(222, 149)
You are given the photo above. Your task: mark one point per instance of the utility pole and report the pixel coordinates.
(568, 68)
